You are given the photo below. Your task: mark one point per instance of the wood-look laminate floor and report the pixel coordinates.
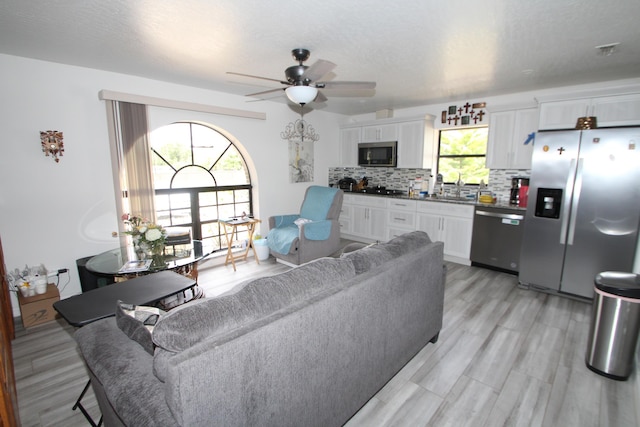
(506, 356)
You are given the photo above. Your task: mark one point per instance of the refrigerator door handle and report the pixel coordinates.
(577, 188)
(567, 191)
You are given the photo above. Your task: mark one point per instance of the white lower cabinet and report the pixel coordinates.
(379, 218)
(345, 219)
(401, 217)
(449, 223)
(368, 217)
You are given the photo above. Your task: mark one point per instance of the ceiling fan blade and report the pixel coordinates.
(257, 77)
(346, 85)
(318, 69)
(320, 98)
(265, 92)
(264, 99)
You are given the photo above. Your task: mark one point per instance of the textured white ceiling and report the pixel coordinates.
(418, 51)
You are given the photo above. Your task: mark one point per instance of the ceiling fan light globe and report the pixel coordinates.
(301, 94)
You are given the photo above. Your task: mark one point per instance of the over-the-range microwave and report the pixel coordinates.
(378, 153)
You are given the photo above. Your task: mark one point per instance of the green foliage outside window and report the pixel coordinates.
(463, 151)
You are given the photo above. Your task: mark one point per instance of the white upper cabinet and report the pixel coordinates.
(415, 138)
(411, 143)
(610, 111)
(508, 130)
(349, 139)
(382, 132)
(622, 110)
(562, 114)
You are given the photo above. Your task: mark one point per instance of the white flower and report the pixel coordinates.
(142, 228)
(153, 234)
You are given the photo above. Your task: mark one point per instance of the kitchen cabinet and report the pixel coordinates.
(449, 223)
(401, 216)
(508, 130)
(415, 138)
(345, 219)
(368, 217)
(379, 218)
(380, 132)
(623, 110)
(349, 139)
(619, 110)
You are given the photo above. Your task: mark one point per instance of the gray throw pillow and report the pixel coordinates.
(138, 321)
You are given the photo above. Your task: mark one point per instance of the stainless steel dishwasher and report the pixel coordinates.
(497, 236)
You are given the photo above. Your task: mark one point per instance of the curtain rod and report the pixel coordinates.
(109, 95)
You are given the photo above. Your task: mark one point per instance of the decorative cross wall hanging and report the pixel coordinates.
(464, 115)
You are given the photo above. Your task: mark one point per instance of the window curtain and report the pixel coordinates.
(131, 159)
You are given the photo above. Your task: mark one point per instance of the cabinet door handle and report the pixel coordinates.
(399, 219)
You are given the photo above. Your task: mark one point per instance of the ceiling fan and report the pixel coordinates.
(302, 80)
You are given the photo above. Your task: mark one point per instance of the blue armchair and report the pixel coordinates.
(313, 233)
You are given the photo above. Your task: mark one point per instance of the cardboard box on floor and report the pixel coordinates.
(38, 309)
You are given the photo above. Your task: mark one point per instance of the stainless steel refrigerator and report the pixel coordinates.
(583, 212)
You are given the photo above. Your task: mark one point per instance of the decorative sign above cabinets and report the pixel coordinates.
(465, 114)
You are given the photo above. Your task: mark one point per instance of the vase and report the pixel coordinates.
(158, 249)
(156, 254)
(140, 254)
(157, 262)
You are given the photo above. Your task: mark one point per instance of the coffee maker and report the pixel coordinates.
(519, 191)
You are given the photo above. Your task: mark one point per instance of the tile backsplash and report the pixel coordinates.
(392, 178)
(398, 179)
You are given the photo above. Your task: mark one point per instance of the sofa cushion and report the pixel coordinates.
(138, 321)
(193, 322)
(406, 243)
(374, 255)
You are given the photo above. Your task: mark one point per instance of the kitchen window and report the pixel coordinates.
(462, 153)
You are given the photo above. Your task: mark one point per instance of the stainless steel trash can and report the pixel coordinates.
(615, 324)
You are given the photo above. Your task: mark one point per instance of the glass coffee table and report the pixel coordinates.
(183, 261)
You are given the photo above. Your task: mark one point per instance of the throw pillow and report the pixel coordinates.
(138, 321)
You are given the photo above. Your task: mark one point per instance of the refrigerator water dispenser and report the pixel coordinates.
(548, 202)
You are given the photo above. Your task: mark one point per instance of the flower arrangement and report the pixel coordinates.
(147, 236)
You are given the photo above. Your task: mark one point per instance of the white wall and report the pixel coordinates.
(55, 213)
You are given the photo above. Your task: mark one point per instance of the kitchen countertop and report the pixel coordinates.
(455, 200)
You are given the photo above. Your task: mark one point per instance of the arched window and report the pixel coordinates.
(199, 177)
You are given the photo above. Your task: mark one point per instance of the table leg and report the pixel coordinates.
(250, 233)
(78, 405)
(229, 240)
(252, 229)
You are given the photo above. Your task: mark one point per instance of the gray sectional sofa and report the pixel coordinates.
(307, 347)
